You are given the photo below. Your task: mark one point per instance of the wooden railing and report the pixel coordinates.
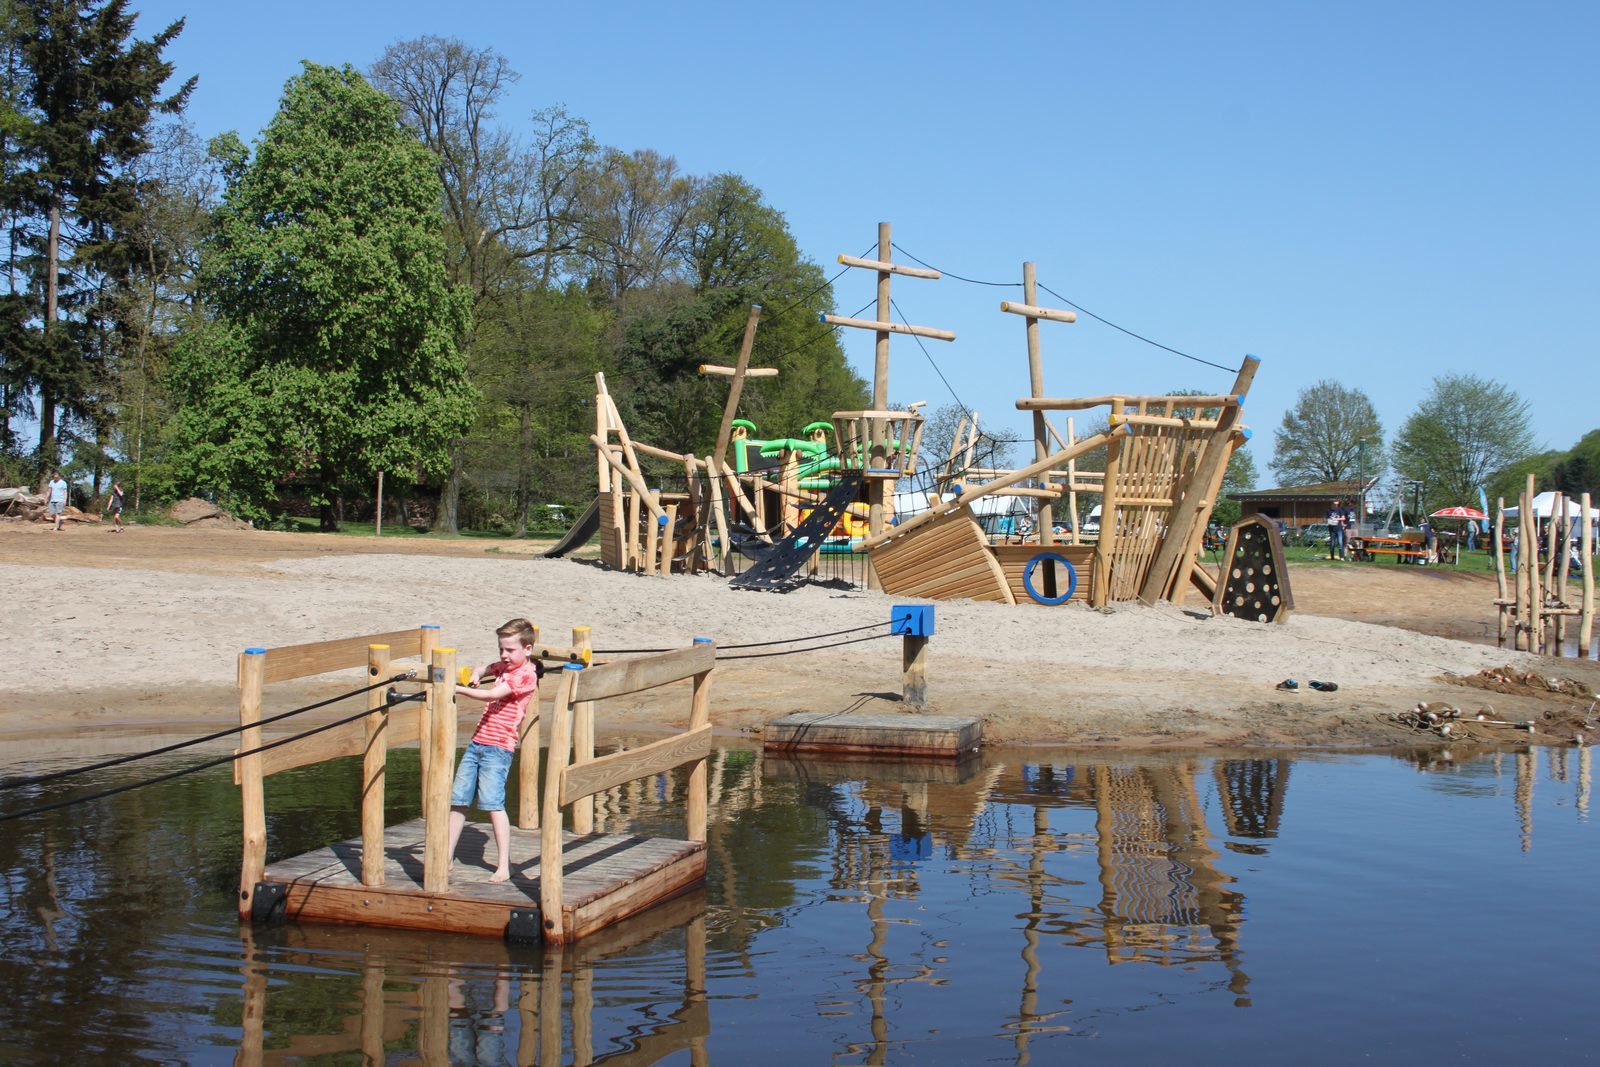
(878, 443)
(573, 777)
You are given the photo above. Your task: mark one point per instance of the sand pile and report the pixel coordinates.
(203, 513)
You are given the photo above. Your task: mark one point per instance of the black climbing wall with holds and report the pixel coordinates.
(1254, 583)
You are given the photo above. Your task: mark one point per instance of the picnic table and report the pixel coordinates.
(1367, 549)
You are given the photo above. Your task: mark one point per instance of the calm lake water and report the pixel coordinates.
(1035, 906)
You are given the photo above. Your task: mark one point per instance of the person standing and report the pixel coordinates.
(56, 501)
(1336, 529)
(114, 501)
(1351, 526)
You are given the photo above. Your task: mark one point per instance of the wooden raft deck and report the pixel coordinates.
(897, 736)
(606, 878)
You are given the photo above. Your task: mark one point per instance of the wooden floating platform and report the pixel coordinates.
(838, 733)
(605, 878)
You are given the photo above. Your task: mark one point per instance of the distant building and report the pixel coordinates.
(1300, 505)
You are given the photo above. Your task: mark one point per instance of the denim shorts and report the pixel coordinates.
(483, 767)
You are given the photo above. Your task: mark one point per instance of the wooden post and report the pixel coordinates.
(550, 837)
(914, 670)
(1566, 573)
(252, 796)
(1548, 589)
(436, 858)
(374, 768)
(1529, 536)
(582, 743)
(1072, 484)
(430, 641)
(669, 540)
(699, 716)
(1041, 442)
(719, 554)
(652, 533)
(377, 513)
(1100, 588)
(878, 488)
(630, 559)
(528, 762)
(1586, 556)
(602, 432)
(736, 387)
(699, 539)
(1500, 567)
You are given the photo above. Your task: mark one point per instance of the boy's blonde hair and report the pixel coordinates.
(518, 628)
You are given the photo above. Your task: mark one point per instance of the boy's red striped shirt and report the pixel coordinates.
(498, 727)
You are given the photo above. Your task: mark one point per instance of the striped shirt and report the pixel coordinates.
(498, 727)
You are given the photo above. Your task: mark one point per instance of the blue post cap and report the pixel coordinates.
(1239, 399)
(702, 641)
(572, 666)
(661, 520)
(758, 307)
(912, 620)
(1248, 433)
(255, 652)
(430, 626)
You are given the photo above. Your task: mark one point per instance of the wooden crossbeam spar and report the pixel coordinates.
(1011, 307)
(1081, 403)
(598, 775)
(660, 453)
(1165, 420)
(891, 268)
(320, 657)
(729, 372)
(891, 327)
(1022, 474)
(1046, 494)
(1144, 501)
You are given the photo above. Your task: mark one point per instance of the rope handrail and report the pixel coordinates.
(39, 779)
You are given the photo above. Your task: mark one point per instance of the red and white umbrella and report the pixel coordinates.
(1459, 512)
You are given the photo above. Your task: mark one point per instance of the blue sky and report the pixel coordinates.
(1375, 193)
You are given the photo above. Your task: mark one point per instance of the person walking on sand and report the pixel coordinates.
(487, 759)
(114, 500)
(1336, 522)
(56, 502)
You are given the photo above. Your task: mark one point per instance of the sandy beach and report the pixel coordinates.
(138, 632)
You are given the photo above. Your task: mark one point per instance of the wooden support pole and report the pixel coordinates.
(374, 768)
(441, 709)
(1586, 557)
(720, 552)
(1548, 589)
(884, 326)
(550, 837)
(652, 531)
(883, 266)
(528, 747)
(877, 489)
(1041, 434)
(602, 434)
(1500, 568)
(1032, 310)
(252, 795)
(1529, 536)
(712, 370)
(377, 513)
(1080, 403)
(1565, 575)
(741, 370)
(669, 539)
(631, 475)
(582, 743)
(429, 641)
(1100, 585)
(699, 717)
(914, 670)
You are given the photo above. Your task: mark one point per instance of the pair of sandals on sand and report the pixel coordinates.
(1294, 687)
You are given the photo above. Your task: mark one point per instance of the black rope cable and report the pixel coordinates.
(9, 816)
(957, 277)
(928, 355)
(14, 783)
(1130, 333)
(816, 648)
(818, 289)
(752, 644)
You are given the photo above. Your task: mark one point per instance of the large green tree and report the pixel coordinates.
(81, 93)
(1463, 433)
(335, 352)
(1320, 438)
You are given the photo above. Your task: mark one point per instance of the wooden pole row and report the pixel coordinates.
(1535, 615)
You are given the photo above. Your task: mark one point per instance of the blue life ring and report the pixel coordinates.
(1072, 578)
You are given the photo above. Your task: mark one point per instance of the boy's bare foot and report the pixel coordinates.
(500, 876)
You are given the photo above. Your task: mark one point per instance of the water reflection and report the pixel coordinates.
(875, 912)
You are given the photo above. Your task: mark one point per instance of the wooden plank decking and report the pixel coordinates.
(894, 736)
(606, 877)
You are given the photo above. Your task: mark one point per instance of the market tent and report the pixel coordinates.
(1549, 503)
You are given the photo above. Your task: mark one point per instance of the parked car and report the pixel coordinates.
(1313, 534)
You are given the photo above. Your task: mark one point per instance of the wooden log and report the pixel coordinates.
(891, 327)
(669, 540)
(1082, 403)
(1170, 422)
(1043, 516)
(1565, 569)
(374, 763)
(890, 268)
(1033, 311)
(1500, 567)
(713, 370)
(550, 839)
(631, 476)
(740, 371)
(581, 781)
(429, 641)
(652, 531)
(914, 670)
(1108, 514)
(436, 856)
(720, 552)
(582, 742)
(320, 657)
(252, 797)
(695, 813)
(1586, 555)
(602, 431)
(623, 676)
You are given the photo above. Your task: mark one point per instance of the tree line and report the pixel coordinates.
(1468, 433)
(392, 277)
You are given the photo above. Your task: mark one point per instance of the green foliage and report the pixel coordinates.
(1467, 430)
(1320, 437)
(336, 354)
